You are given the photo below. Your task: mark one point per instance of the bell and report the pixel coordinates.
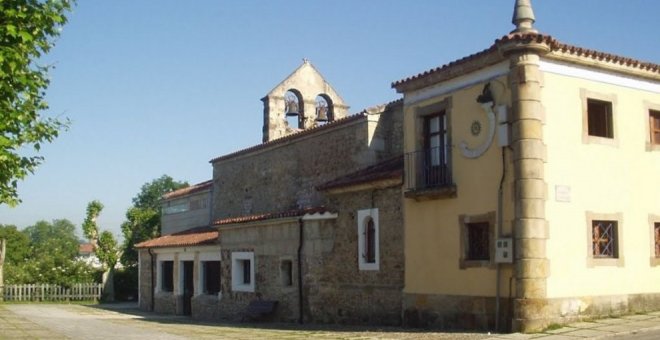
(321, 114)
(291, 108)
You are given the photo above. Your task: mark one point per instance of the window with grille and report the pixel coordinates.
(478, 243)
(654, 126)
(604, 239)
(367, 231)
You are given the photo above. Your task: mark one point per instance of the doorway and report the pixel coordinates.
(188, 286)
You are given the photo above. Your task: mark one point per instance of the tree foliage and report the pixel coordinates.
(27, 30)
(18, 244)
(104, 242)
(49, 257)
(143, 218)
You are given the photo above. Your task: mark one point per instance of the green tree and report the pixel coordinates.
(27, 31)
(143, 218)
(18, 244)
(105, 246)
(52, 256)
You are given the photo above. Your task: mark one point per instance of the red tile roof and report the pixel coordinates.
(85, 248)
(389, 169)
(191, 237)
(270, 216)
(189, 190)
(293, 136)
(526, 38)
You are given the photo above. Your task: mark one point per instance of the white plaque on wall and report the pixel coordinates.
(562, 193)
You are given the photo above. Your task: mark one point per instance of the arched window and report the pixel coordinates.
(368, 248)
(324, 109)
(294, 109)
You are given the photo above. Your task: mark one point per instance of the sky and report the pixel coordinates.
(157, 87)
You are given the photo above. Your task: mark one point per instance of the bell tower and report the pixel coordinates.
(301, 101)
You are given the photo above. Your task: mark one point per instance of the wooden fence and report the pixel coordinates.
(47, 292)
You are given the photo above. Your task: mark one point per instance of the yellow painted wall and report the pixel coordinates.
(432, 244)
(603, 179)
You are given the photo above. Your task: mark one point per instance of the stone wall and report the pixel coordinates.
(283, 176)
(145, 280)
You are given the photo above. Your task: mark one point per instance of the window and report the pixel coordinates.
(478, 243)
(286, 272)
(368, 247)
(600, 118)
(242, 272)
(477, 246)
(604, 239)
(428, 166)
(167, 276)
(654, 127)
(211, 277)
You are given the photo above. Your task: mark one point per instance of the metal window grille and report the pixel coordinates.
(604, 239)
(478, 241)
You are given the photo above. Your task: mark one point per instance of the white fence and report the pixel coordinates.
(47, 292)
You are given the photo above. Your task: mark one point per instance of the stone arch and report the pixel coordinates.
(324, 108)
(294, 109)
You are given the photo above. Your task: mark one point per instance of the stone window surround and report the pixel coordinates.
(420, 112)
(362, 217)
(283, 274)
(653, 219)
(591, 260)
(585, 95)
(648, 106)
(237, 284)
(463, 221)
(206, 257)
(159, 271)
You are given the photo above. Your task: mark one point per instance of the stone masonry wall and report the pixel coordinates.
(145, 280)
(283, 176)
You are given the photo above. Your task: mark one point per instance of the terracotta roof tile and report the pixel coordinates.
(270, 216)
(189, 190)
(539, 38)
(389, 169)
(190, 237)
(85, 248)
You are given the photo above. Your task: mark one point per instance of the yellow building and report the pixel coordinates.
(532, 189)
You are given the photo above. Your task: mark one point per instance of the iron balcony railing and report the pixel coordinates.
(427, 169)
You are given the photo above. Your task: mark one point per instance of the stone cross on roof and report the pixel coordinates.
(523, 17)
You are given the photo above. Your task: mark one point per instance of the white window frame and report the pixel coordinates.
(362, 217)
(237, 284)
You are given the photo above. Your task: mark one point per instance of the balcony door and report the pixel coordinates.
(434, 172)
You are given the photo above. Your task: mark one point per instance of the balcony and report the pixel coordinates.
(428, 175)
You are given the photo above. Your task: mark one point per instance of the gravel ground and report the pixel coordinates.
(62, 321)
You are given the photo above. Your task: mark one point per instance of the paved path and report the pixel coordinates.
(55, 321)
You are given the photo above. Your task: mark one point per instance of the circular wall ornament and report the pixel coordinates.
(475, 128)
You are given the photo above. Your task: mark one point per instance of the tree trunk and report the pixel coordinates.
(3, 248)
(109, 285)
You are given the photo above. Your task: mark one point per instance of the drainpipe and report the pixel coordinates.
(300, 275)
(153, 289)
(498, 232)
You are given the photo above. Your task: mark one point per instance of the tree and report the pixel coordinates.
(104, 243)
(52, 256)
(143, 218)
(27, 31)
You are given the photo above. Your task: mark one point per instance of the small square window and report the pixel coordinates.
(654, 126)
(604, 239)
(286, 272)
(211, 273)
(600, 118)
(167, 276)
(478, 243)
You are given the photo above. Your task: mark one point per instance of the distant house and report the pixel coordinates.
(86, 253)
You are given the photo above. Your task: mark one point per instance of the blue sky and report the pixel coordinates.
(161, 87)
